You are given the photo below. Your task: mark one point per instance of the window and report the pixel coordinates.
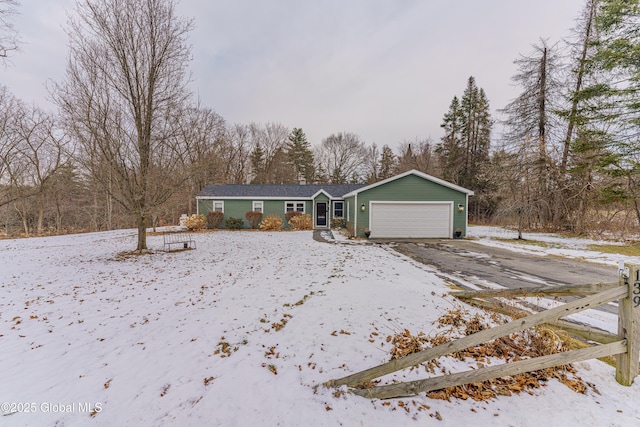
(338, 209)
(258, 206)
(218, 206)
(293, 206)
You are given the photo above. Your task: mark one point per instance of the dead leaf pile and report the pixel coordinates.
(539, 341)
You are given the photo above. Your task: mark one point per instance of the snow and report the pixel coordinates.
(90, 337)
(558, 245)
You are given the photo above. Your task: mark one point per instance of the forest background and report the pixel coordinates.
(131, 146)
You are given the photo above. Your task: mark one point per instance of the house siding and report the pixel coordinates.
(237, 208)
(349, 210)
(411, 186)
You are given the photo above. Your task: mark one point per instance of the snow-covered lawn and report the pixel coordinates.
(236, 333)
(551, 244)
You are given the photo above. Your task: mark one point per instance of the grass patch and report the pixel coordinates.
(574, 343)
(539, 243)
(629, 250)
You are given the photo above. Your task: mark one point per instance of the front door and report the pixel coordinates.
(321, 214)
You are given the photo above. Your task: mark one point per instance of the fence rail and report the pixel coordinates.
(625, 346)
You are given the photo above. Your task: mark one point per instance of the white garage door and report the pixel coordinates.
(411, 220)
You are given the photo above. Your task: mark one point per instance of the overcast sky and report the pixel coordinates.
(383, 69)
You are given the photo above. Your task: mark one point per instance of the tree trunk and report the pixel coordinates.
(580, 72)
(142, 233)
(562, 211)
(22, 211)
(40, 213)
(58, 216)
(636, 206)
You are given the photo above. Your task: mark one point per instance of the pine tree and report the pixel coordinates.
(464, 150)
(476, 132)
(580, 144)
(301, 156)
(613, 100)
(387, 163)
(258, 165)
(450, 148)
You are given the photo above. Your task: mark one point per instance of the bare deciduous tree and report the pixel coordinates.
(234, 155)
(10, 166)
(531, 120)
(41, 153)
(8, 34)
(201, 131)
(271, 140)
(417, 154)
(125, 82)
(7, 111)
(342, 157)
(372, 163)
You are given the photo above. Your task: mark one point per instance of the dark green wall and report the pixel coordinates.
(409, 188)
(237, 208)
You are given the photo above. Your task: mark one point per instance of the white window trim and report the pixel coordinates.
(213, 205)
(295, 205)
(257, 203)
(334, 208)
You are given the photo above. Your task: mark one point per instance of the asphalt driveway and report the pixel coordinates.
(465, 261)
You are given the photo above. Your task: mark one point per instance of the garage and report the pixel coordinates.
(411, 205)
(411, 219)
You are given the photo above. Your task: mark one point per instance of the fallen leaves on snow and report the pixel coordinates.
(539, 341)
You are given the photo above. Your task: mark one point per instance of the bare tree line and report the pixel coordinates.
(9, 39)
(130, 146)
(52, 182)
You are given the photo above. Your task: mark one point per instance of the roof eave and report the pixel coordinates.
(416, 173)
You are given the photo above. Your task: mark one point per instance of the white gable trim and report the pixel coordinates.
(321, 191)
(418, 174)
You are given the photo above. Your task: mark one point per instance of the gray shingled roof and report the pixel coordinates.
(277, 190)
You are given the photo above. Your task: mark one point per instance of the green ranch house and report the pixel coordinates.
(409, 205)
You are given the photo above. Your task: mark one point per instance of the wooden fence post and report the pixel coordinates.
(629, 327)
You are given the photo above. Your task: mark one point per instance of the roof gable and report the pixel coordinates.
(416, 173)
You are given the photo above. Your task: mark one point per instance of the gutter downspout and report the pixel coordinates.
(466, 216)
(355, 216)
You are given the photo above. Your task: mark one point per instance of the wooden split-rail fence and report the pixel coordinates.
(625, 345)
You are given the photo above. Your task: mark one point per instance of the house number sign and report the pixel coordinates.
(624, 272)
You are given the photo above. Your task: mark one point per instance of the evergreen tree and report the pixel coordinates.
(476, 133)
(406, 158)
(613, 100)
(258, 165)
(580, 145)
(387, 163)
(464, 150)
(450, 148)
(281, 171)
(301, 156)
